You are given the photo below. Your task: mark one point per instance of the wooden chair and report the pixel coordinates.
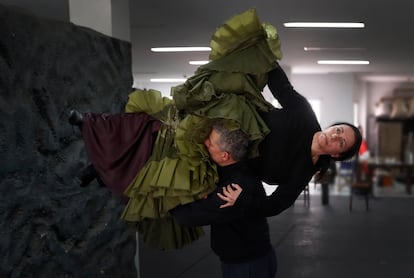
(359, 186)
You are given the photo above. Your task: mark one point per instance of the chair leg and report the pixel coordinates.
(339, 183)
(306, 195)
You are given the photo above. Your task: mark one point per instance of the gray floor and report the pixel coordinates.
(315, 242)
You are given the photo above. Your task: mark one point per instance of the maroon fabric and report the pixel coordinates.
(119, 145)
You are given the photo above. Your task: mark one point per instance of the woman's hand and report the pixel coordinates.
(230, 194)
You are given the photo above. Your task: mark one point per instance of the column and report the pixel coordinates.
(110, 17)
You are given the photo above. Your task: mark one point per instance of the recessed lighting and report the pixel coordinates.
(179, 49)
(198, 63)
(324, 24)
(168, 80)
(343, 62)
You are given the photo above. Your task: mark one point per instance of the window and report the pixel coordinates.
(356, 112)
(316, 106)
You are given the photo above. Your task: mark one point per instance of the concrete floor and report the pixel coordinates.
(315, 242)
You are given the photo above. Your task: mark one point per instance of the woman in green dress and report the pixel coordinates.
(178, 169)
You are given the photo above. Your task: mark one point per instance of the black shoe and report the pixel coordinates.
(86, 176)
(75, 118)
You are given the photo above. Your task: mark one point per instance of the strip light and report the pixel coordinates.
(310, 48)
(342, 62)
(168, 80)
(198, 63)
(179, 49)
(324, 24)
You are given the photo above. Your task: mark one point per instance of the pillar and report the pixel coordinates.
(110, 17)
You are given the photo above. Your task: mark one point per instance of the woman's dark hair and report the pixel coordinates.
(354, 148)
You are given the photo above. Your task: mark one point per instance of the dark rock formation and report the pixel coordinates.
(50, 227)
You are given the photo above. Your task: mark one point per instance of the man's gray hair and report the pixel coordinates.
(235, 142)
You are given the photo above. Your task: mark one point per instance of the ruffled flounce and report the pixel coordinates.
(243, 51)
(179, 170)
(244, 31)
(165, 233)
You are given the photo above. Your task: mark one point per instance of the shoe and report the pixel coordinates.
(86, 176)
(75, 117)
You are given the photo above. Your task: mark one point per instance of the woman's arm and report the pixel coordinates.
(207, 211)
(279, 83)
(282, 89)
(282, 198)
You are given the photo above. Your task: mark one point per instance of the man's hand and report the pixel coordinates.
(230, 194)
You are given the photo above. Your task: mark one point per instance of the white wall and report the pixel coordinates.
(121, 20)
(335, 92)
(109, 17)
(95, 14)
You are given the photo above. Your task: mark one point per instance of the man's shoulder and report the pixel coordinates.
(246, 177)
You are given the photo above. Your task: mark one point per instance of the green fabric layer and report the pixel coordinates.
(165, 233)
(171, 177)
(179, 171)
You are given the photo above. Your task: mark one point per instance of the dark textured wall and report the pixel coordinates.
(50, 227)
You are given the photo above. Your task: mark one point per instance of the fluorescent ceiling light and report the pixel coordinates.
(198, 63)
(168, 80)
(179, 49)
(324, 24)
(343, 62)
(308, 48)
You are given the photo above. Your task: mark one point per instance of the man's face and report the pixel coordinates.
(213, 148)
(336, 139)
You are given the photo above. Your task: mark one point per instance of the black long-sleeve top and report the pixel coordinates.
(285, 154)
(235, 236)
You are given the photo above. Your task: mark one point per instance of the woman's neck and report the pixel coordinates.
(315, 149)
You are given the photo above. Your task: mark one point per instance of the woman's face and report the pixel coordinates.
(336, 139)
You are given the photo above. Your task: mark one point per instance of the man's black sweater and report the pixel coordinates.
(235, 236)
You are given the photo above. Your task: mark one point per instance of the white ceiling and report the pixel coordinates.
(387, 41)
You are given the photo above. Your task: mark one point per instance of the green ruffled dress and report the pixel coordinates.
(179, 170)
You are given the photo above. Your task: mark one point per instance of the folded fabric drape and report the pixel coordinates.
(179, 170)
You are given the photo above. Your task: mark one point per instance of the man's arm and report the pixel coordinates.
(206, 212)
(281, 199)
